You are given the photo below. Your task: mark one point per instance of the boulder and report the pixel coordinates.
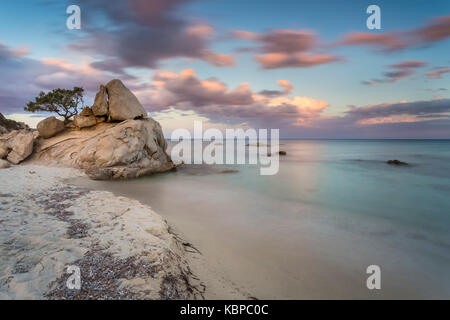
(128, 149)
(18, 145)
(4, 164)
(86, 112)
(3, 151)
(100, 119)
(281, 153)
(84, 122)
(100, 106)
(123, 104)
(397, 162)
(49, 127)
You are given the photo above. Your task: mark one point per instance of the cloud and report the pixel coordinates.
(140, 33)
(436, 30)
(295, 60)
(23, 77)
(282, 48)
(287, 88)
(398, 71)
(437, 74)
(11, 53)
(212, 98)
(400, 111)
(387, 41)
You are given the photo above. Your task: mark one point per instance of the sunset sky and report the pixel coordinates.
(310, 68)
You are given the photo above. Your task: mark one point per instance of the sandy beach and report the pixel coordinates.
(124, 249)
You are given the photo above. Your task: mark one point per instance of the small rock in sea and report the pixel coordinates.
(229, 171)
(258, 144)
(281, 153)
(397, 162)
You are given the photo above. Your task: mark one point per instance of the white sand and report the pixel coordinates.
(46, 226)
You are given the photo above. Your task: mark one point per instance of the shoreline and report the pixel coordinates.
(191, 248)
(123, 248)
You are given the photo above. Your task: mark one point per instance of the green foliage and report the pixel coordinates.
(63, 102)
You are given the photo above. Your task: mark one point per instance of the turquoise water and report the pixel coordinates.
(310, 231)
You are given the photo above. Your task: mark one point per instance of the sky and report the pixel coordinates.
(312, 69)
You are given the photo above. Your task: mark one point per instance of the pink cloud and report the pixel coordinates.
(217, 59)
(437, 74)
(396, 119)
(400, 70)
(296, 60)
(213, 99)
(409, 64)
(437, 30)
(21, 51)
(287, 86)
(388, 41)
(282, 48)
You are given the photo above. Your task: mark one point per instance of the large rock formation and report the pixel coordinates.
(50, 127)
(106, 150)
(16, 141)
(123, 104)
(17, 145)
(127, 149)
(100, 106)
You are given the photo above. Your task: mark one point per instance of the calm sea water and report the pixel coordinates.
(334, 208)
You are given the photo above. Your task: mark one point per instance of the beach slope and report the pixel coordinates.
(123, 249)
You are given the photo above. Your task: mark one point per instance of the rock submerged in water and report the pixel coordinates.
(281, 153)
(228, 171)
(397, 162)
(50, 127)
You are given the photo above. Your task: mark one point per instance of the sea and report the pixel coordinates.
(334, 213)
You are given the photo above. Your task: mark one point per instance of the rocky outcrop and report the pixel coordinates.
(7, 125)
(4, 164)
(50, 127)
(123, 104)
(109, 149)
(86, 112)
(128, 149)
(18, 145)
(100, 106)
(4, 150)
(84, 121)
